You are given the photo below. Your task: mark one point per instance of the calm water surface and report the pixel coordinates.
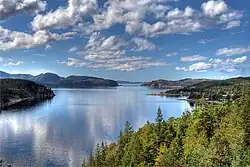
(63, 131)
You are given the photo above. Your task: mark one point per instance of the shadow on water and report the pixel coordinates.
(25, 105)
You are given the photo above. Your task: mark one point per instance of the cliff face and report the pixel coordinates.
(15, 93)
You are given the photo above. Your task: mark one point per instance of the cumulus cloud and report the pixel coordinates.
(142, 44)
(177, 13)
(228, 65)
(213, 8)
(231, 19)
(109, 53)
(132, 13)
(65, 17)
(233, 51)
(126, 11)
(230, 16)
(100, 47)
(193, 58)
(197, 67)
(12, 7)
(20, 40)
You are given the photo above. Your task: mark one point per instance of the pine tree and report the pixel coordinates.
(128, 128)
(98, 155)
(159, 123)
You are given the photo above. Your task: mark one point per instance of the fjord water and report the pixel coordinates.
(64, 130)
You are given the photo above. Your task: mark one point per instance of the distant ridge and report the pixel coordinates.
(189, 82)
(129, 82)
(56, 81)
(168, 84)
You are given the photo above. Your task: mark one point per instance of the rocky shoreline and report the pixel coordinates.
(16, 93)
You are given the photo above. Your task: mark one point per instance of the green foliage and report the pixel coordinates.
(215, 135)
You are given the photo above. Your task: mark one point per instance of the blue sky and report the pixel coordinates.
(136, 40)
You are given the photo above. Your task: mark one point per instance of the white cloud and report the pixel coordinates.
(133, 15)
(73, 49)
(231, 19)
(239, 60)
(1, 59)
(233, 51)
(127, 64)
(231, 16)
(116, 11)
(65, 17)
(20, 40)
(214, 8)
(12, 7)
(197, 67)
(228, 65)
(142, 44)
(205, 41)
(72, 62)
(99, 47)
(172, 54)
(48, 47)
(232, 24)
(176, 26)
(193, 58)
(177, 13)
(11, 62)
(109, 53)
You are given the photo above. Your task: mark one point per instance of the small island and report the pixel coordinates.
(16, 93)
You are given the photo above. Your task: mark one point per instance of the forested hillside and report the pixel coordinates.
(215, 135)
(55, 81)
(17, 92)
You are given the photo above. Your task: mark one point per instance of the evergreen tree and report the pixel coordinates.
(159, 123)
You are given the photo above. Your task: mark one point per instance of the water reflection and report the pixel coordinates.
(63, 131)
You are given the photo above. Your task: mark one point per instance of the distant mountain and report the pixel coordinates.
(86, 82)
(129, 82)
(53, 80)
(18, 92)
(49, 78)
(167, 84)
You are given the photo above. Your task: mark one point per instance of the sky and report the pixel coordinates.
(135, 40)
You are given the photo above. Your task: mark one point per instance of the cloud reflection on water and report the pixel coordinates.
(63, 131)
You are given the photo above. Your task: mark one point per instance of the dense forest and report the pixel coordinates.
(215, 135)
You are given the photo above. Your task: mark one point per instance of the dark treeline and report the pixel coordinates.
(210, 136)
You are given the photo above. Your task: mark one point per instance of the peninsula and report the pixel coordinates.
(16, 93)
